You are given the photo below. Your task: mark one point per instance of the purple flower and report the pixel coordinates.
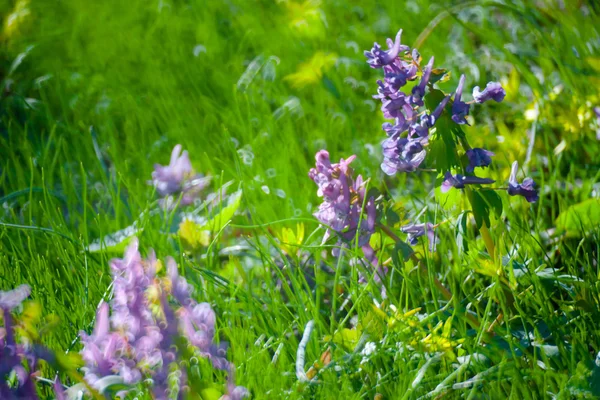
(526, 189)
(342, 209)
(178, 178)
(401, 155)
(20, 360)
(377, 58)
(415, 231)
(478, 158)
(493, 90)
(392, 108)
(14, 298)
(418, 91)
(460, 109)
(459, 181)
(138, 340)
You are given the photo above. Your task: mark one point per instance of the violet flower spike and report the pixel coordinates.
(493, 91)
(377, 58)
(459, 181)
(460, 109)
(526, 189)
(418, 92)
(402, 155)
(478, 158)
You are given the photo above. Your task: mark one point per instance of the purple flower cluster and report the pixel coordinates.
(137, 340)
(345, 209)
(404, 149)
(178, 179)
(14, 356)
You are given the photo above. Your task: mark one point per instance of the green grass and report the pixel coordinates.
(129, 70)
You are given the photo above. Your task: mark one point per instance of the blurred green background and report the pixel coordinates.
(95, 92)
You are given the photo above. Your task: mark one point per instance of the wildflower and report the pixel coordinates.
(478, 158)
(401, 155)
(459, 181)
(14, 357)
(526, 189)
(178, 178)
(460, 109)
(138, 340)
(415, 231)
(342, 209)
(377, 58)
(13, 298)
(418, 92)
(493, 90)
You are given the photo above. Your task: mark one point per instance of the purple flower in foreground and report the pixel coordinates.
(377, 58)
(138, 340)
(459, 181)
(460, 109)
(418, 92)
(478, 158)
(493, 90)
(526, 189)
(415, 231)
(14, 298)
(15, 358)
(178, 178)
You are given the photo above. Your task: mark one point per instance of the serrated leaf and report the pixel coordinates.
(580, 219)
(493, 200)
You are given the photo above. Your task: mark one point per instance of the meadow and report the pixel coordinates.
(427, 285)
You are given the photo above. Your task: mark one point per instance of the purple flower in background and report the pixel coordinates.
(402, 155)
(493, 90)
(459, 181)
(178, 178)
(169, 179)
(526, 189)
(418, 92)
(478, 158)
(377, 58)
(415, 231)
(460, 109)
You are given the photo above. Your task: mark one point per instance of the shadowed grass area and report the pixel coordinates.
(95, 93)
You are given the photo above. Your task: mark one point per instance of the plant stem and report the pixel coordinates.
(446, 293)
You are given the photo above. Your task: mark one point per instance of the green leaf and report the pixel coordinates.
(493, 200)
(481, 210)
(403, 249)
(580, 219)
(225, 214)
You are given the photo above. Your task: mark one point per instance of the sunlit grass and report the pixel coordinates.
(252, 90)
